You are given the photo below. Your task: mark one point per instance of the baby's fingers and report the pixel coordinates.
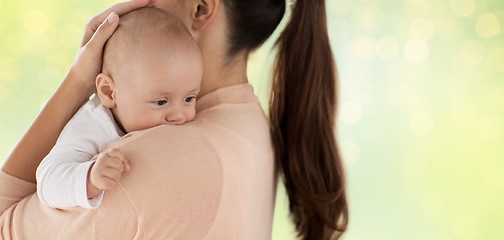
(112, 173)
(116, 153)
(103, 182)
(126, 165)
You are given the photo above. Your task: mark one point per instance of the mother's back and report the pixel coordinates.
(212, 178)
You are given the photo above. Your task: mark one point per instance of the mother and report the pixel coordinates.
(214, 178)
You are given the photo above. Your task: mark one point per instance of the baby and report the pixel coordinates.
(152, 70)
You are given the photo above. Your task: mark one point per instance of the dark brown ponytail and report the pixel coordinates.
(302, 111)
(302, 108)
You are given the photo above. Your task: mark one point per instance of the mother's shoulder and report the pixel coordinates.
(163, 135)
(175, 177)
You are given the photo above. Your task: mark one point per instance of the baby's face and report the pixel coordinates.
(157, 88)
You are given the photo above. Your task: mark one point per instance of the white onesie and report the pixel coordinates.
(62, 175)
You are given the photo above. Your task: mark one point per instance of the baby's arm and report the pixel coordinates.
(63, 174)
(106, 171)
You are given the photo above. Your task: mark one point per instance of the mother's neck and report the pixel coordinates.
(219, 71)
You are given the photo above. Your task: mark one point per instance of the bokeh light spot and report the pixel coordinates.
(388, 47)
(421, 123)
(463, 8)
(487, 25)
(496, 98)
(49, 79)
(70, 35)
(12, 44)
(339, 30)
(465, 228)
(9, 69)
(351, 112)
(432, 203)
(401, 93)
(36, 21)
(366, 48)
(340, 8)
(370, 17)
(462, 106)
(472, 52)
(4, 93)
(350, 152)
(35, 43)
(495, 60)
(416, 50)
(440, 236)
(416, 8)
(422, 28)
(490, 127)
(449, 26)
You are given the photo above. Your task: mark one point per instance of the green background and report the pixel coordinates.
(420, 119)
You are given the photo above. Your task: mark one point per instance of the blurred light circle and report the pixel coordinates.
(462, 106)
(439, 236)
(496, 98)
(465, 228)
(463, 8)
(416, 50)
(422, 28)
(4, 93)
(421, 123)
(449, 26)
(350, 152)
(400, 93)
(340, 8)
(495, 60)
(366, 48)
(12, 43)
(472, 52)
(416, 8)
(339, 30)
(351, 113)
(370, 17)
(9, 69)
(432, 203)
(487, 25)
(49, 79)
(35, 21)
(388, 47)
(490, 127)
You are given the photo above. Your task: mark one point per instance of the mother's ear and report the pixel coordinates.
(105, 87)
(203, 12)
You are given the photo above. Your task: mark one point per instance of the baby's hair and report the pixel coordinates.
(143, 27)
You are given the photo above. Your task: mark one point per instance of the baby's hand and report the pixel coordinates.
(106, 172)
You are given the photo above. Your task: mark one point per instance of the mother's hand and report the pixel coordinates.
(88, 62)
(75, 89)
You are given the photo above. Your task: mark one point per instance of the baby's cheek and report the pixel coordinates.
(139, 122)
(191, 115)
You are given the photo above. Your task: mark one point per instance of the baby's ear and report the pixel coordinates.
(105, 86)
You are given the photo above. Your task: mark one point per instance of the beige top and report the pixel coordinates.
(212, 178)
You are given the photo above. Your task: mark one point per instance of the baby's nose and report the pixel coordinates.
(175, 118)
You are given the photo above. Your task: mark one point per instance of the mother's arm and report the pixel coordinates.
(75, 89)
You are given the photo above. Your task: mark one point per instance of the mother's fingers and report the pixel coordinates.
(119, 8)
(103, 32)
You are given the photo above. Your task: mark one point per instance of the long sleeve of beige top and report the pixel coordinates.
(212, 178)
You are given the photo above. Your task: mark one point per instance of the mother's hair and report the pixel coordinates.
(302, 108)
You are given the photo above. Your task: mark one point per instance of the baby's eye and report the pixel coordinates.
(189, 99)
(160, 102)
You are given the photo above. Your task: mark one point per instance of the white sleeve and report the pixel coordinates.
(62, 174)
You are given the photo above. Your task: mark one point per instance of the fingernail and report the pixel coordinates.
(112, 17)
